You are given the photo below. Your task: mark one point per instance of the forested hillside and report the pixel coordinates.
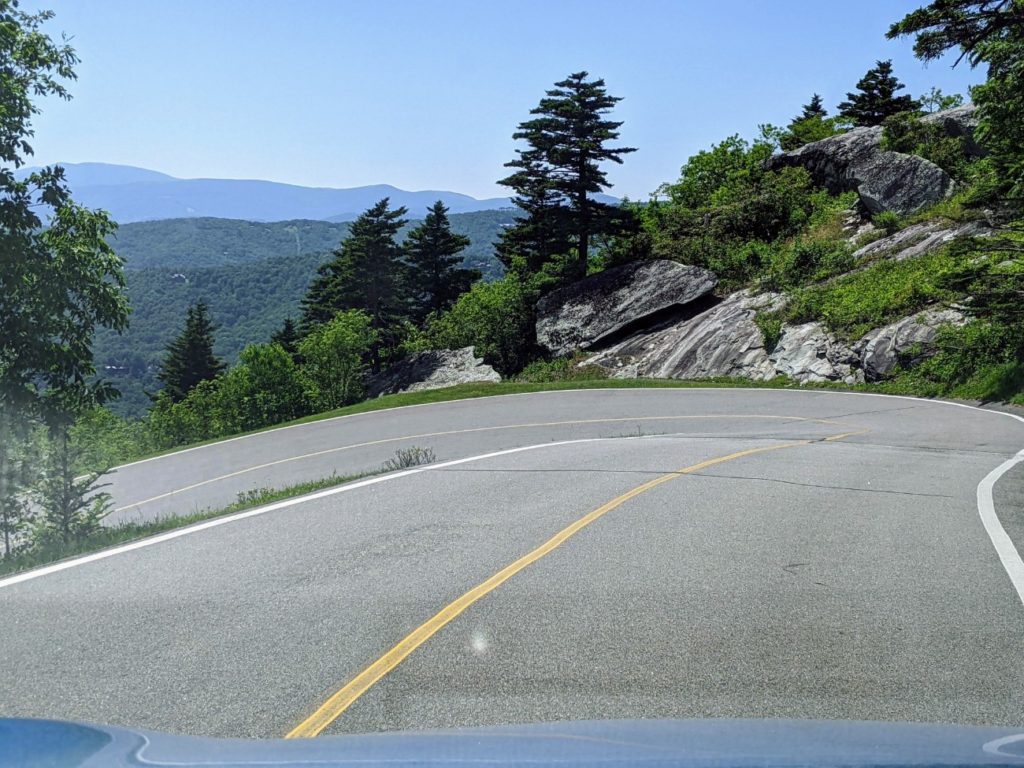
(209, 242)
(251, 274)
(247, 304)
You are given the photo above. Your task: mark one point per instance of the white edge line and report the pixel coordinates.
(213, 523)
(555, 392)
(1008, 554)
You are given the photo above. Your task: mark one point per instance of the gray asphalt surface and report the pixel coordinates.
(847, 579)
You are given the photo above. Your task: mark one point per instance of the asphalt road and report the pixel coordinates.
(726, 553)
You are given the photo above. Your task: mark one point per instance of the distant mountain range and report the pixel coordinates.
(138, 194)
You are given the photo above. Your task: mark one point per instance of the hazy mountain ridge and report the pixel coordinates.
(132, 194)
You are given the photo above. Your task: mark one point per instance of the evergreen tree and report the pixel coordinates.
(190, 357)
(366, 273)
(989, 32)
(556, 178)
(287, 336)
(876, 97)
(432, 254)
(813, 109)
(542, 234)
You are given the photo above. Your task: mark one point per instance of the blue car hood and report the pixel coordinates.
(690, 743)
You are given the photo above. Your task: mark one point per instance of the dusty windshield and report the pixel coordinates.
(372, 368)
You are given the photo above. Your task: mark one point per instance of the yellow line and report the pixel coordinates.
(346, 696)
(258, 467)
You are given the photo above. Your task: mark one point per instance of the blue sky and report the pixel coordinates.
(426, 95)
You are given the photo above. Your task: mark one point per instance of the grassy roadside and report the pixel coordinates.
(46, 554)
(484, 389)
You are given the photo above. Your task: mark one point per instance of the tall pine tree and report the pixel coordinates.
(560, 173)
(366, 273)
(190, 357)
(287, 337)
(813, 109)
(876, 97)
(432, 254)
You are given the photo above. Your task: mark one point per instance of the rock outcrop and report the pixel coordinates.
(919, 239)
(885, 181)
(608, 305)
(722, 341)
(907, 341)
(810, 353)
(961, 122)
(432, 370)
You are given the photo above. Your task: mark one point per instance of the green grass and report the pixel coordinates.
(885, 291)
(484, 389)
(45, 554)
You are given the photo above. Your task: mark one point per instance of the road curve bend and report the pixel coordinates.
(571, 555)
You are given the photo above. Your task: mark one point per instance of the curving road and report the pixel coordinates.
(594, 554)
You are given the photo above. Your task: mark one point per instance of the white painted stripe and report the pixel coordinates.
(217, 521)
(1008, 554)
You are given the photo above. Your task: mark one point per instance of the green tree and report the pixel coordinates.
(264, 388)
(368, 274)
(190, 359)
(72, 506)
(560, 173)
(59, 278)
(333, 355)
(814, 108)
(936, 101)
(496, 318)
(876, 97)
(989, 32)
(432, 253)
(287, 337)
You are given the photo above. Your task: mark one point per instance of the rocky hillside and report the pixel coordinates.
(662, 319)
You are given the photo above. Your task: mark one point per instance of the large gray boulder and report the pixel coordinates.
(721, 341)
(907, 341)
(885, 181)
(961, 122)
(599, 308)
(808, 353)
(432, 369)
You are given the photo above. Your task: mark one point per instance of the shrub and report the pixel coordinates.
(561, 369)
(887, 221)
(496, 318)
(333, 356)
(412, 456)
(770, 325)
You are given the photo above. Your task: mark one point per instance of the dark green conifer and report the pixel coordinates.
(556, 178)
(190, 357)
(432, 253)
(876, 97)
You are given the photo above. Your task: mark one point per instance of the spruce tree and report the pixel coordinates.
(432, 254)
(287, 337)
(190, 357)
(558, 175)
(876, 97)
(813, 109)
(366, 273)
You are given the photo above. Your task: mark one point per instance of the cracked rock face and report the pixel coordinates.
(919, 239)
(810, 353)
(601, 306)
(722, 341)
(906, 341)
(885, 181)
(432, 370)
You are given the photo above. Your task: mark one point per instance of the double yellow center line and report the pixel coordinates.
(331, 709)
